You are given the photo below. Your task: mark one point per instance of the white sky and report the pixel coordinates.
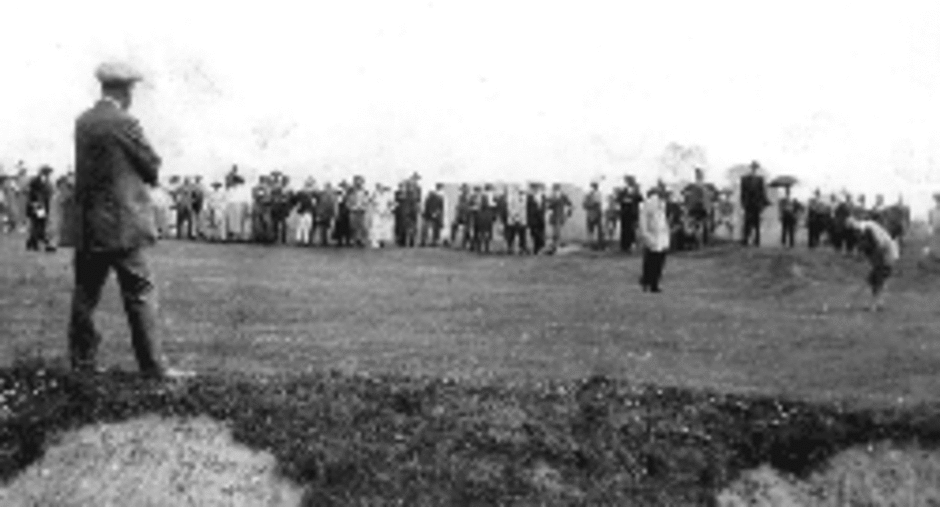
(842, 94)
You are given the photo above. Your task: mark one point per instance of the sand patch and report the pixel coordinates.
(877, 475)
(153, 462)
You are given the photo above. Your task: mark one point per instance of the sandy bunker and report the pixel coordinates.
(151, 461)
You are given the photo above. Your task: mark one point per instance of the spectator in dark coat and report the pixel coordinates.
(629, 198)
(184, 198)
(38, 201)
(818, 215)
(753, 201)
(789, 211)
(535, 216)
(432, 217)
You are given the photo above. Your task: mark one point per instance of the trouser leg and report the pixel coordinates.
(645, 270)
(659, 262)
(139, 294)
(91, 272)
(748, 228)
(757, 230)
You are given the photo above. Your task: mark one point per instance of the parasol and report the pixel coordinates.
(785, 180)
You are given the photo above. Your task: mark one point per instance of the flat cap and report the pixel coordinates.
(117, 73)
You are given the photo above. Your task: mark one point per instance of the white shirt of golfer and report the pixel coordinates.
(883, 240)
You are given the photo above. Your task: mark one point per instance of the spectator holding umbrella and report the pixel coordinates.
(788, 208)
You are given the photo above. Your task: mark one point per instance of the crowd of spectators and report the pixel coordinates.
(476, 217)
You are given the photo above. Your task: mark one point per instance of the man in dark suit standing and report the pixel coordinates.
(115, 168)
(38, 201)
(753, 201)
(628, 199)
(535, 216)
(432, 218)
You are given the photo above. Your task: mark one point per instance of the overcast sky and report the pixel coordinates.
(842, 94)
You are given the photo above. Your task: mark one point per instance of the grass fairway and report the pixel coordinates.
(436, 377)
(729, 319)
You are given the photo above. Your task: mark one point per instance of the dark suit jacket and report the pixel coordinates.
(39, 197)
(115, 167)
(753, 192)
(535, 211)
(433, 207)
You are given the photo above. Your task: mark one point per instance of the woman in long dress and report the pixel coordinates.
(382, 230)
(238, 212)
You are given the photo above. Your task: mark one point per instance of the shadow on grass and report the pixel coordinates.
(432, 441)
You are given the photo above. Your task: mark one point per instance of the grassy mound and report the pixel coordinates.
(432, 441)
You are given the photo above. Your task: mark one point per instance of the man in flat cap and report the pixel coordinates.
(115, 167)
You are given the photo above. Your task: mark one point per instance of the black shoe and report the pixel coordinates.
(655, 289)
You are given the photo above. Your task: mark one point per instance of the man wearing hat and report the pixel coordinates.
(536, 208)
(753, 201)
(432, 216)
(461, 225)
(115, 168)
(628, 199)
(38, 199)
(593, 205)
(559, 211)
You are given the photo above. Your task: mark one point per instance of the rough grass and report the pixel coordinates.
(389, 440)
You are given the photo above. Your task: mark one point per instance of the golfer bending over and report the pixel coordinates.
(882, 252)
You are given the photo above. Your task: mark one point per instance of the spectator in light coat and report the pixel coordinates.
(655, 233)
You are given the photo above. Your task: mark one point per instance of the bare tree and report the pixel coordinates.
(678, 162)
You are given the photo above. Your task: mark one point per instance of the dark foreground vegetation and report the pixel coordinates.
(393, 440)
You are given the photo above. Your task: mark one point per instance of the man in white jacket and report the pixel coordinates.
(654, 232)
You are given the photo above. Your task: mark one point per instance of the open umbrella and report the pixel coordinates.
(783, 181)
